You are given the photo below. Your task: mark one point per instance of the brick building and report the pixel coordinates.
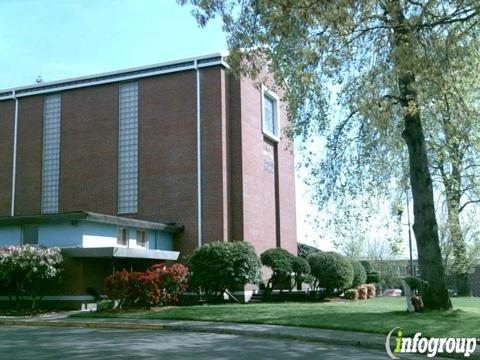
(181, 143)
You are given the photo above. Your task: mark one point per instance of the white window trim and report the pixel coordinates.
(271, 94)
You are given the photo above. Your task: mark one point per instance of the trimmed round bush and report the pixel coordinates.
(245, 266)
(373, 277)
(415, 283)
(362, 292)
(218, 266)
(359, 273)
(371, 290)
(280, 261)
(331, 270)
(301, 268)
(351, 294)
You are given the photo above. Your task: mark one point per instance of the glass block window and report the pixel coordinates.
(128, 149)
(51, 153)
(270, 116)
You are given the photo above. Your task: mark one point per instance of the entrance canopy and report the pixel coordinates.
(120, 252)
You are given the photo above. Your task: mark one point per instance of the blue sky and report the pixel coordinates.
(60, 39)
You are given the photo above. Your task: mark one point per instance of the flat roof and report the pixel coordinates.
(117, 76)
(120, 252)
(171, 227)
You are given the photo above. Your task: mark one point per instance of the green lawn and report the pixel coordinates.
(375, 316)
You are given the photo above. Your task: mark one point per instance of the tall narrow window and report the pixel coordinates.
(141, 238)
(51, 153)
(122, 237)
(270, 115)
(128, 149)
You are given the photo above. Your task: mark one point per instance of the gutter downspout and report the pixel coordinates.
(14, 167)
(199, 156)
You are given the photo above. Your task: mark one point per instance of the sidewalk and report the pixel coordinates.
(266, 331)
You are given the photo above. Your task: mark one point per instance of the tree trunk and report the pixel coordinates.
(425, 222)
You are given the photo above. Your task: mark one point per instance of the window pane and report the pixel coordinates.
(51, 153)
(30, 234)
(122, 238)
(141, 238)
(270, 116)
(128, 149)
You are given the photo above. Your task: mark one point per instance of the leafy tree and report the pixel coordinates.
(367, 266)
(359, 273)
(372, 52)
(331, 270)
(452, 114)
(467, 263)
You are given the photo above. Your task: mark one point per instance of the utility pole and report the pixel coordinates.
(412, 273)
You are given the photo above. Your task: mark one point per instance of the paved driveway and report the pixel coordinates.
(19, 342)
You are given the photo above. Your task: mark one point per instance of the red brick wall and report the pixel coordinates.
(257, 184)
(236, 159)
(286, 164)
(167, 153)
(214, 155)
(89, 148)
(29, 156)
(239, 198)
(7, 123)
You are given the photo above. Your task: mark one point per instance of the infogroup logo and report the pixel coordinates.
(429, 346)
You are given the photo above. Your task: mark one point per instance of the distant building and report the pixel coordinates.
(181, 146)
(392, 270)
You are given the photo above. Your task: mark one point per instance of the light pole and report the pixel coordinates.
(409, 233)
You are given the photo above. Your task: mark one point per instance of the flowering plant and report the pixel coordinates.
(28, 270)
(171, 280)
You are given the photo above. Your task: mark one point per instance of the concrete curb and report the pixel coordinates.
(83, 324)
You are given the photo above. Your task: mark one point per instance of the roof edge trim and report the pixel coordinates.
(116, 76)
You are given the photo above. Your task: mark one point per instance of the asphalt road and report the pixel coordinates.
(19, 342)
